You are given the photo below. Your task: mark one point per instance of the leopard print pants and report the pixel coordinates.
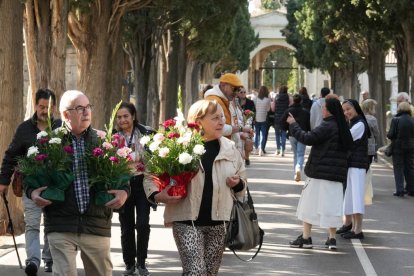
(200, 247)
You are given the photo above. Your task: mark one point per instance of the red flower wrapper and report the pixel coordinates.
(178, 182)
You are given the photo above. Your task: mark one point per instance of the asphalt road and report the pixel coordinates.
(387, 250)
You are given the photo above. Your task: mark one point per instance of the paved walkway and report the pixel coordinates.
(386, 250)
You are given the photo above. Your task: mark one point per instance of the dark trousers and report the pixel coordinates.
(135, 248)
(403, 162)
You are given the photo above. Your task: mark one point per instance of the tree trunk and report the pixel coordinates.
(163, 76)
(401, 52)
(11, 96)
(342, 83)
(172, 75)
(153, 101)
(45, 27)
(408, 27)
(376, 79)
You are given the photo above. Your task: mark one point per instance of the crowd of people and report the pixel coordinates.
(343, 136)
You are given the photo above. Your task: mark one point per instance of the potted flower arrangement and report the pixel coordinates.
(48, 163)
(173, 154)
(108, 163)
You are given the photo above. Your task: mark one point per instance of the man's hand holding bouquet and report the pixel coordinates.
(173, 155)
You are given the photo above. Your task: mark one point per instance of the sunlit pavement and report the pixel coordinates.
(388, 229)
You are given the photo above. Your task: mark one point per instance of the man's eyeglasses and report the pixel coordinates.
(82, 109)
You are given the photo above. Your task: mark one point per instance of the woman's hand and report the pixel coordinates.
(119, 199)
(164, 197)
(232, 181)
(290, 120)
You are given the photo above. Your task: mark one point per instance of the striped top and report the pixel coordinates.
(262, 107)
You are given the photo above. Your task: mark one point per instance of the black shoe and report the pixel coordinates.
(264, 151)
(247, 162)
(352, 235)
(330, 243)
(410, 193)
(31, 269)
(344, 229)
(301, 242)
(142, 270)
(399, 194)
(129, 270)
(48, 266)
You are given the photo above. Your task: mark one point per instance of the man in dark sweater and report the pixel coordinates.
(24, 138)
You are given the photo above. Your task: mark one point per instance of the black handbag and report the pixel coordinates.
(243, 231)
(389, 149)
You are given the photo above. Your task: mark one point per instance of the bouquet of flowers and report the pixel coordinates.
(108, 163)
(48, 163)
(173, 154)
(248, 117)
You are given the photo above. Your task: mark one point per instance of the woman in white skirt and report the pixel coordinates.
(354, 202)
(322, 196)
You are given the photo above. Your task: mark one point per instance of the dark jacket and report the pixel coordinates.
(326, 160)
(249, 105)
(301, 115)
(23, 139)
(359, 151)
(281, 104)
(307, 103)
(65, 216)
(402, 132)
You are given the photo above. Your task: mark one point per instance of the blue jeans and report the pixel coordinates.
(280, 138)
(261, 133)
(32, 216)
(298, 153)
(136, 204)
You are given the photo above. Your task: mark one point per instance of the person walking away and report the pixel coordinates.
(24, 138)
(316, 109)
(135, 214)
(401, 134)
(77, 223)
(306, 101)
(327, 166)
(301, 116)
(262, 104)
(199, 220)
(223, 93)
(354, 207)
(368, 107)
(281, 104)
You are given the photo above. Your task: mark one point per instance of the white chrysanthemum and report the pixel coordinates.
(55, 141)
(199, 149)
(159, 137)
(32, 151)
(144, 140)
(163, 152)
(185, 158)
(154, 146)
(41, 134)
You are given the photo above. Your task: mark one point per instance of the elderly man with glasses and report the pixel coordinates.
(77, 223)
(224, 93)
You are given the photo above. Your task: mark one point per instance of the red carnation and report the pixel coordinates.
(169, 123)
(40, 157)
(193, 126)
(173, 135)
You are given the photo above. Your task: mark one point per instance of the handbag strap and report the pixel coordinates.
(257, 251)
(250, 203)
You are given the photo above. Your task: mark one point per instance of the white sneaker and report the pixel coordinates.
(260, 152)
(297, 176)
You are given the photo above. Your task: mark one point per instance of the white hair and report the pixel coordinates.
(67, 99)
(405, 96)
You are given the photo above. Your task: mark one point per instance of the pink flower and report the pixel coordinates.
(101, 134)
(107, 145)
(97, 152)
(169, 123)
(43, 140)
(159, 137)
(41, 157)
(140, 167)
(116, 137)
(173, 135)
(115, 143)
(68, 149)
(114, 159)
